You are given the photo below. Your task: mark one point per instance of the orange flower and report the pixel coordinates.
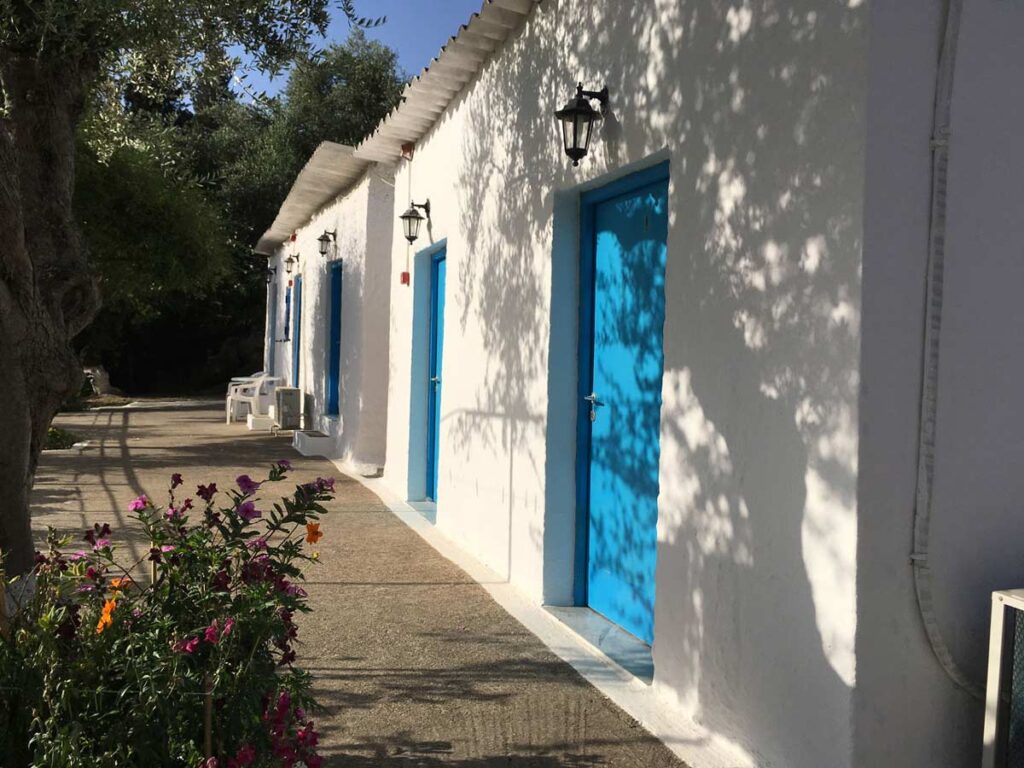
(313, 534)
(122, 583)
(105, 618)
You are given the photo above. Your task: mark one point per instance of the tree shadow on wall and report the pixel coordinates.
(760, 107)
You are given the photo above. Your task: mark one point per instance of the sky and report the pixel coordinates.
(416, 29)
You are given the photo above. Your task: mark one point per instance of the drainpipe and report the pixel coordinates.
(930, 356)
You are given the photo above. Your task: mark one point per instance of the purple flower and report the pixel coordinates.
(284, 465)
(228, 626)
(295, 590)
(247, 485)
(248, 512)
(257, 543)
(139, 504)
(206, 492)
(176, 480)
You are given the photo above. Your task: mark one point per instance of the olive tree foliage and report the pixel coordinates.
(57, 56)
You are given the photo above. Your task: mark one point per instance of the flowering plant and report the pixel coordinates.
(100, 668)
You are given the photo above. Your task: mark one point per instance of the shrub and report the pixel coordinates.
(100, 669)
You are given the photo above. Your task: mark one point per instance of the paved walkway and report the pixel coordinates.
(415, 664)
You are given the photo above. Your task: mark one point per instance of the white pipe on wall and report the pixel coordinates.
(930, 362)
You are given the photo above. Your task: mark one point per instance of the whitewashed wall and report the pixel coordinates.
(363, 218)
(907, 711)
(760, 110)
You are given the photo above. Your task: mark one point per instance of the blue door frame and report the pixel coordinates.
(438, 276)
(297, 332)
(333, 383)
(623, 243)
(271, 327)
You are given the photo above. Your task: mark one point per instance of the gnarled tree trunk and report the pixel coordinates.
(47, 292)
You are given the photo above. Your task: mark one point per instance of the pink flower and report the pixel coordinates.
(307, 736)
(247, 485)
(228, 626)
(212, 633)
(77, 555)
(248, 512)
(101, 544)
(176, 480)
(172, 513)
(206, 492)
(138, 504)
(245, 757)
(187, 645)
(210, 762)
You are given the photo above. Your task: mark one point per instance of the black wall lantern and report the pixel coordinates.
(326, 239)
(577, 119)
(271, 271)
(412, 219)
(289, 263)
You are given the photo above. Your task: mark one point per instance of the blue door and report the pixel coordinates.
(625, 230)
(438, 269)
(334, 342)
(297, 333)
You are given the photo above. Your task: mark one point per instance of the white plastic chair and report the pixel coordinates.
(257, 394)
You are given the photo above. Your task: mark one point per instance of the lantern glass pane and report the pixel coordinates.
(582, 139)
(567, 129)
(411, 225)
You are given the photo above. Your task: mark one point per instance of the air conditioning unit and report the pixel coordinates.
(288, 407)
(1004, 693)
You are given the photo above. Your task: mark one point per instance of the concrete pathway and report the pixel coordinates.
(414, 663)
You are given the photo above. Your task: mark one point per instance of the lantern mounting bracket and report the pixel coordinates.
(601, 96)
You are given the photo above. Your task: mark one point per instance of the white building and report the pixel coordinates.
(335, 305)
(737, 272)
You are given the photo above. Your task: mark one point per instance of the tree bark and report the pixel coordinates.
(47, 292)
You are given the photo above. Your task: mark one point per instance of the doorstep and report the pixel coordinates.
(427, 509)
(629, 652)
(313, 443)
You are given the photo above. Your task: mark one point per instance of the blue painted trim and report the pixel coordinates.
(297, 333)
(626, 185)
(433, 249)
(585, 354)
(288, 314)
(437, 255)
(271, 327)
(333, 384)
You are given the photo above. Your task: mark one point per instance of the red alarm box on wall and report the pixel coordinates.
(405, 278)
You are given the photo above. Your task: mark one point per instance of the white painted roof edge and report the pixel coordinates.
(459, 61)
(332, 169)
(424, 100)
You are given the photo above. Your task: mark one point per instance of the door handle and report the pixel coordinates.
(435, 379)
(595, 403)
